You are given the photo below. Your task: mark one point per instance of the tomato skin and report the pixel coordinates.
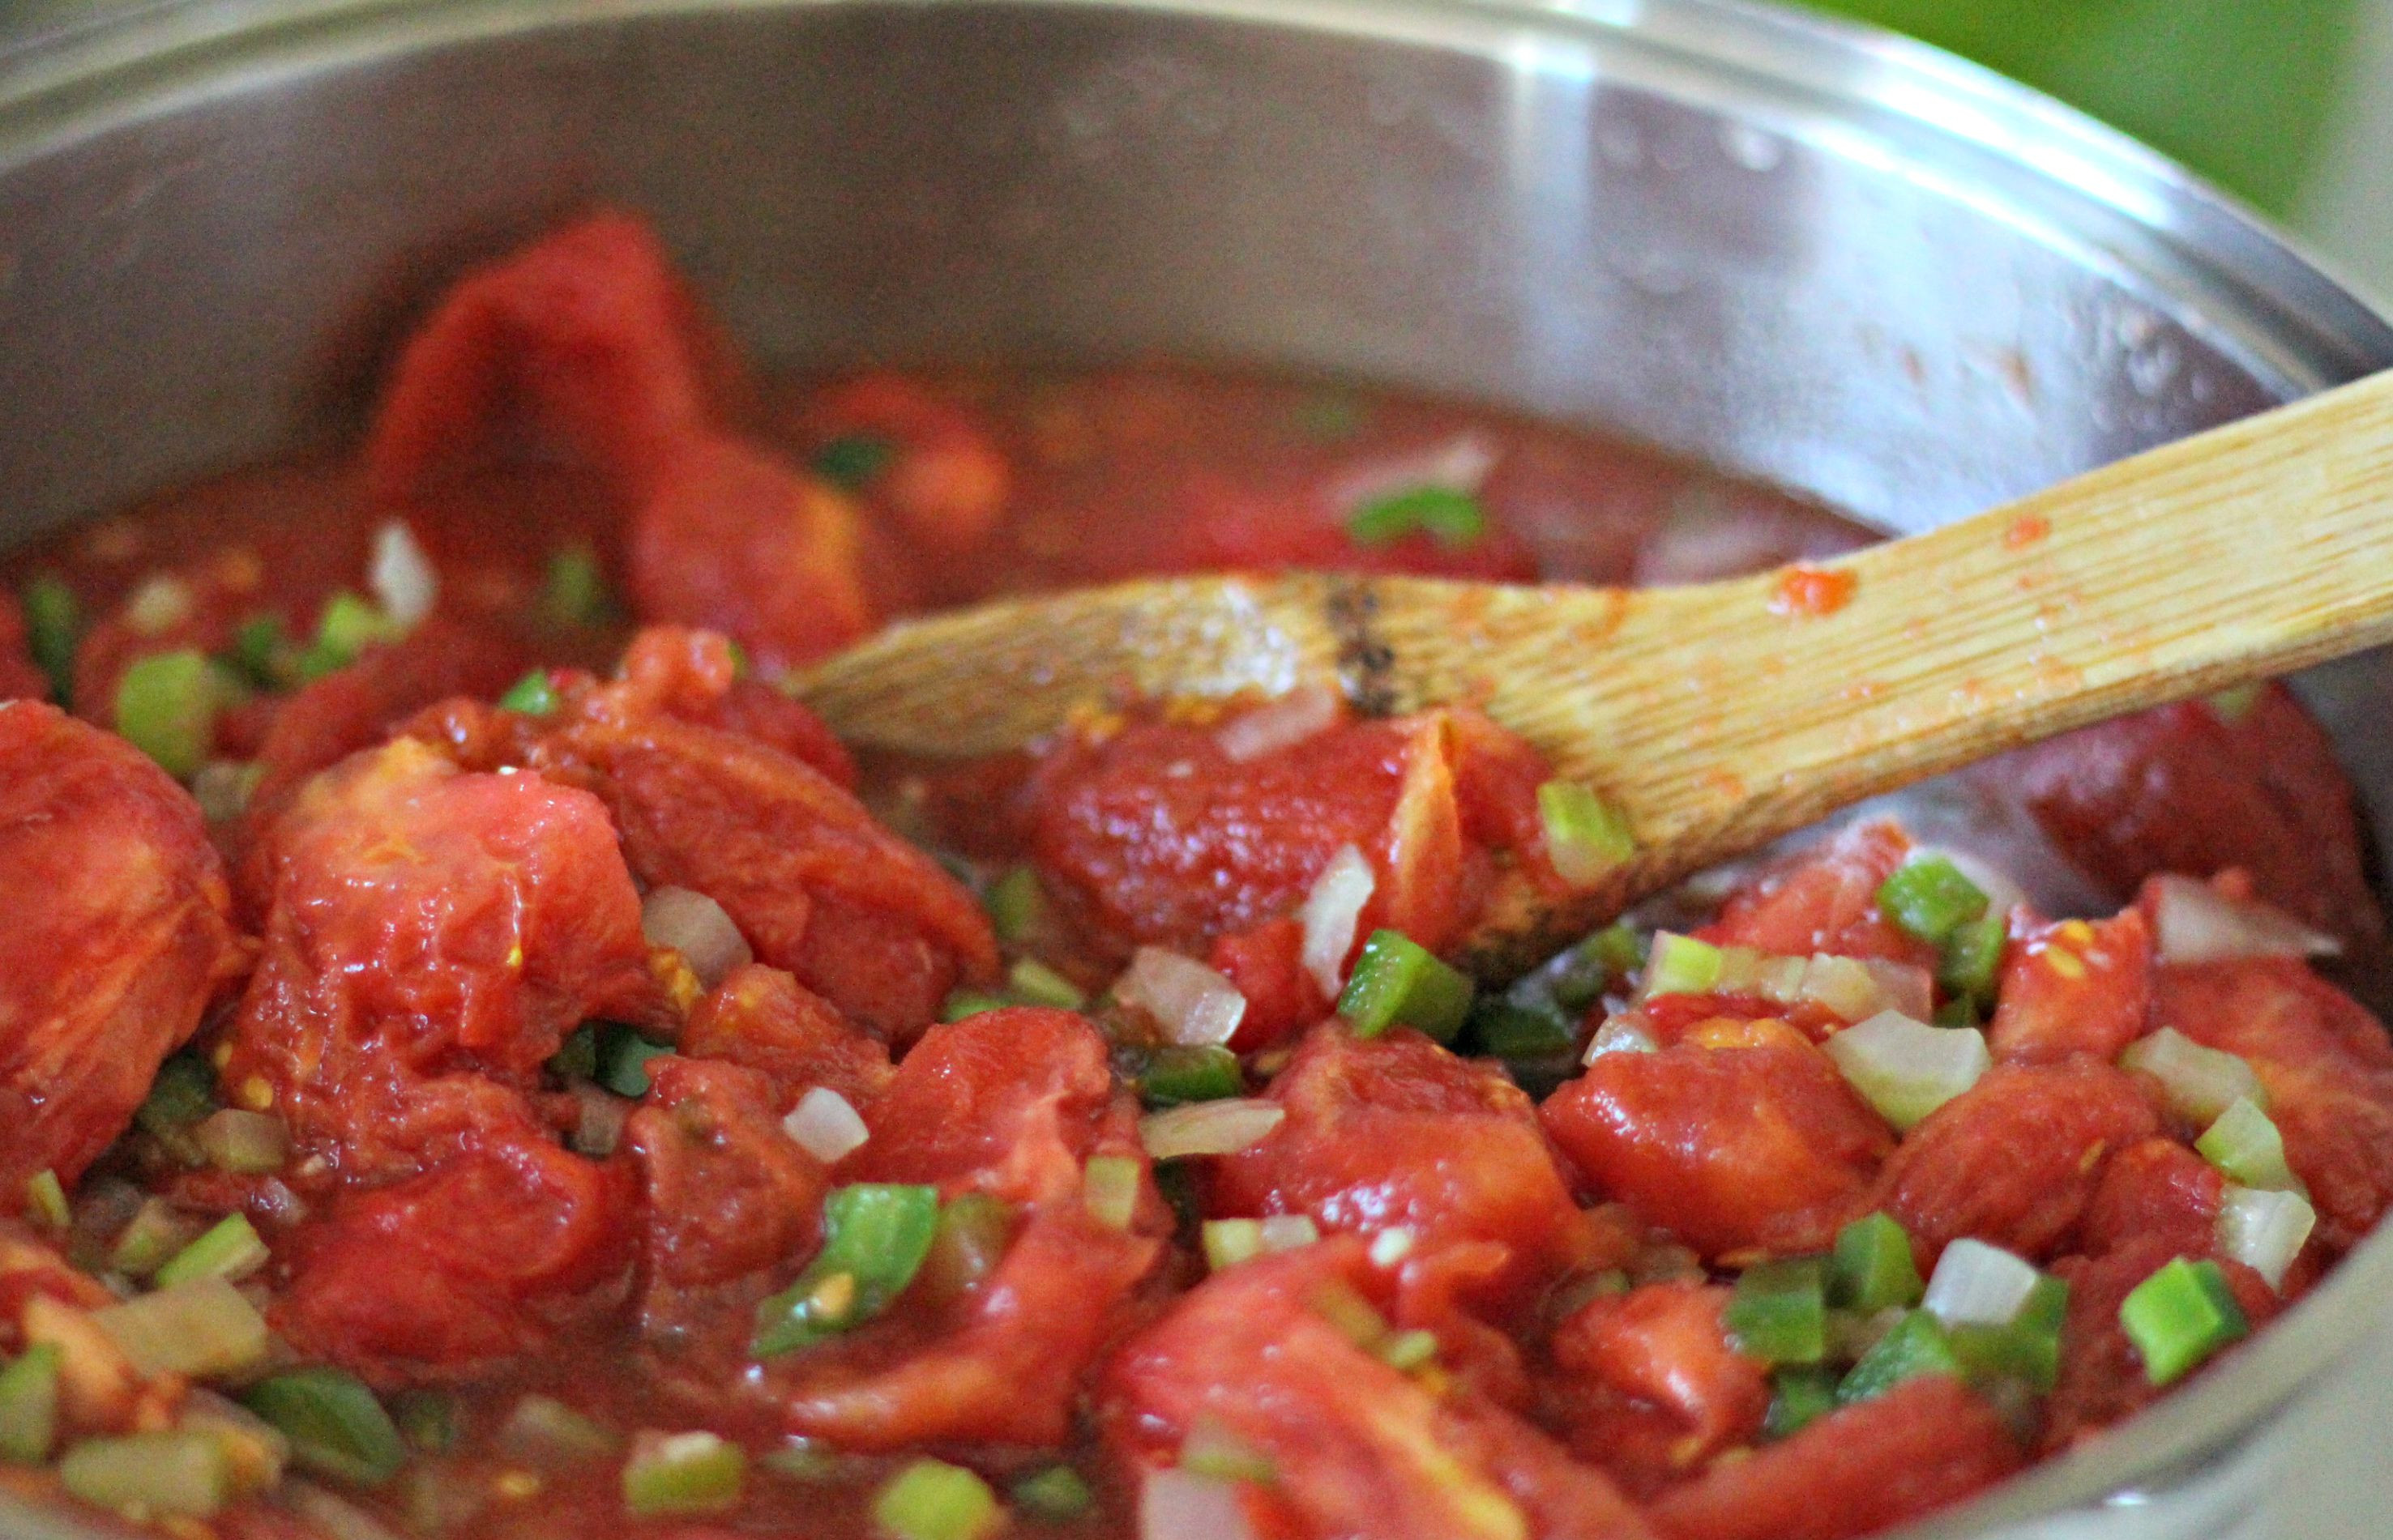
(2071, 988)
(2154, 1189)
(459, 1269)
(1397, 1131)
(1663, 1344)
(2015, 1159)
(1732, 1148)
(1824, 899)
(2102, 1378)
(129, 943)
(1008, 1103)
(431, 936)
(763, 1019)
(1266, 963)
(1917, 1448)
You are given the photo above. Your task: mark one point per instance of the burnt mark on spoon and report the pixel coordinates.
(1366, 664)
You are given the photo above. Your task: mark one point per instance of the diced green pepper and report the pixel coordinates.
(543, 1431)
(183, 1093)
(875, 1237)
(2179, 1316)
(1973, 957)
(344, 631)
(1034, 983)
(973, 1233)
(335, 1426)
(46, 1200)
(1504, 1029)
(1872, 1268)
(229, 1249)
(532, 695)
(1399, 983)
(963, 1003)
(575, 592)
(29, 1405)
(1054, 1495)
(185, 1473)
(852, 459)
(428, 1419)
(2027, 1349)
(167, 706)
(1929, 899)
(1798, 1396)
(1178, 1074)
(622, 1059)
(53, 628)
(1917, 1346)
(1451, 516)
(1779, 1313)
(677, 1474)
(577, 1057)
(932, 1500)
(262, 654)
(1016, 905)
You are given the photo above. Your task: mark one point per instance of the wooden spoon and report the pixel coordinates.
(1722, 715)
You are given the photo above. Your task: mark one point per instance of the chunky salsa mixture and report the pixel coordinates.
(481, 1060)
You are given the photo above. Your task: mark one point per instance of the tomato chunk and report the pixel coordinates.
(2072, 987)
(119, 936)
(2154, 1189)
(2102, 1378)
(1919, 1448)
(762, 1018)
(1266, 963)
(1733, 1148)
(1824, 899)
(1395, 1131)
(1663, 1345)
(2014, 1160)
(944, 477)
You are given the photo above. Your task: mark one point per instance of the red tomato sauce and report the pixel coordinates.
(486, 1063)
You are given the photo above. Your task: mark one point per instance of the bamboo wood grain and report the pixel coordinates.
(1717, 715)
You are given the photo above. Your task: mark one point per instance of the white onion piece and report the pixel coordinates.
(1208, 1127)
(1288, 1231)
(1902, 987)
(2264, 1231)
(1977, 1285)
(1180, 1504)
(2198, 1083)
(2198, 923)
(401, 576)
(1460, 465)
(696, 927)
(1391, 1245)
(1195, 1005)
(1624, 1034)
(825, 1124)
(2003, 896)
(1300, 714)
(159, 605)
(1907, 1070)
(333, 1518)
(1331, 911)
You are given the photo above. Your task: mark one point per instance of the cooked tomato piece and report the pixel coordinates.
(1008, 1103)
(2071, 988)
(1395, 1131)
(586, 342)
(1732, 1148)
(2325, 1062)
(1824, 899)
(732, 1202)
(763, 1019)
(2102, 1378)
(1266, 963)
(20, 680)
(1920, 1447)
(2191, 789)
(696, 676)
(2154, 1189)
(431, 936)
(453, 1272)
(817, 886)
(944, 475)
(1006, 1371)
(118, 938)
(1162, 837)
(1663, 1345)
(1357, 1447)
(2014, 1160)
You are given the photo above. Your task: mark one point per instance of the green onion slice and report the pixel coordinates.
(54, 627)
(229, 1249)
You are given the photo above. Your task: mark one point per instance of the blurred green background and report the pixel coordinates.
(2240, 90)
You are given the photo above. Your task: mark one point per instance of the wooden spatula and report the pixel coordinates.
(1722, 715)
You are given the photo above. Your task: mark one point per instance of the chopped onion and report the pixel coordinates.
(1281, 724)
(1180, 1504)
(1622, 1034)
(2198, 1083)
(159, 605)
(1907, 1070)
(1977, 1285)
(1288, 1231)
(698, 928)
(1391, 1245)
(1331, 912)
(196, 1329)
(401, 576)
(1195, 1005)
(1208, 1127)
(825, 1124)
(234, 1140)
(2198, 923)
(2264, 1231)
(333, 1518)
(1842, 985)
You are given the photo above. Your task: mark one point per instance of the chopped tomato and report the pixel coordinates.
(1266, 963)
(1919, 1448)
(695, 675)
(119, 936)
(1663, 1345)
(2102, 1378)
(1733, 1148)
(2071, 988)
(1228, 524)
(1824, 899)
(2014, 1160)
(763, 1019)
(1396, 1132)
(2154, 1189)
